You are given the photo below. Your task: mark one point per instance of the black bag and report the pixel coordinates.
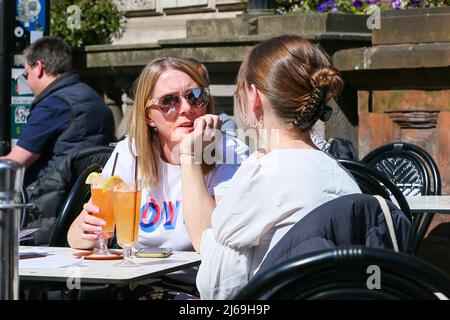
(342, 149)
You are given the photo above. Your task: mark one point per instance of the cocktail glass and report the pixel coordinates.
(104, 200)
(127, 204)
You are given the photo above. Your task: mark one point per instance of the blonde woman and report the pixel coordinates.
(283, 87)
(171, 98)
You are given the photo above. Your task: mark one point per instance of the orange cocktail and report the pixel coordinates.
(104, 200)
(127, 205)
(127, 209)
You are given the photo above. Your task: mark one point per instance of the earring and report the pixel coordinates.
(258, 125)
(152, 126)
(247, 120)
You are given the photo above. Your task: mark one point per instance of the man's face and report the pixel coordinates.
(30, 74)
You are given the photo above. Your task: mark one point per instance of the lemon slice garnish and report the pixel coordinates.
(111, 182)
(92, 178)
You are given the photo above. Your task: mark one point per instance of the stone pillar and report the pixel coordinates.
(126, 107)
(113, 100)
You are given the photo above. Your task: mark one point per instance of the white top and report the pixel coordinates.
(161, 223)
(267, 196)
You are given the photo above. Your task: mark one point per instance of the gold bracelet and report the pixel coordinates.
(187, 154)
(193, 157)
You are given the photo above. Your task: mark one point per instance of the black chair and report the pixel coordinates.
(408, 166)
(414, 172)
(78, 196)
(349, 273)
(373, 182)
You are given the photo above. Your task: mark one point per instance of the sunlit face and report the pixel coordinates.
(174, 126)
(30, 76)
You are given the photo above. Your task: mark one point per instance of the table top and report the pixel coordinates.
(105, 271)
(437, 204)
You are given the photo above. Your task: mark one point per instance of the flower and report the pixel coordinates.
(322, 7)
(357, 4)
(396, 4)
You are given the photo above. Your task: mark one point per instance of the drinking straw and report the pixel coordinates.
(114, 165)
(135, 170)
(135, 189)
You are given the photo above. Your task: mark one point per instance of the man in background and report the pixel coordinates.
(66, 114)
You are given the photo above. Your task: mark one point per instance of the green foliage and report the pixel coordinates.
(99, 21)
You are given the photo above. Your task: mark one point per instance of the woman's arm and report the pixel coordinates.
(224, 270)
(83, 233)
(198, 204)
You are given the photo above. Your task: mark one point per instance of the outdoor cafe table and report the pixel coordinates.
(437, 204)
(107, 271)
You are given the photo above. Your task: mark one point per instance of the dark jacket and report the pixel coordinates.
(355, 219)
(342, 149)
(92, 122)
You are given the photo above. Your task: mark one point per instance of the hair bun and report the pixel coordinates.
(330, 79)
(314, 109)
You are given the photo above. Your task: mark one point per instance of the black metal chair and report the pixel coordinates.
(410, 167)
(373, 182)
(414, 172)
(349, 273)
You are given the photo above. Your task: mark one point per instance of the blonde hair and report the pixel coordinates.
(296, 77)
(141, 137)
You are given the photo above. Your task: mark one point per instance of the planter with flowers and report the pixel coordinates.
(354, 6)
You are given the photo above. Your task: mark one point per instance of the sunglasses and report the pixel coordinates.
(25, 73)
(197, 98)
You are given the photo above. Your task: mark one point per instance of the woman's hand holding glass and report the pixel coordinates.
(91, 226)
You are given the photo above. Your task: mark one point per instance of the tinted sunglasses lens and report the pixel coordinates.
(169, 102)
(197, 97)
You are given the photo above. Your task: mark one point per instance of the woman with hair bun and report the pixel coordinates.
(283, 87)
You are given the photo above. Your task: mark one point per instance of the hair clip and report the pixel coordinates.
(326, 113)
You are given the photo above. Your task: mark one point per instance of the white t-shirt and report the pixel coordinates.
(266, 197)
(161, 222)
